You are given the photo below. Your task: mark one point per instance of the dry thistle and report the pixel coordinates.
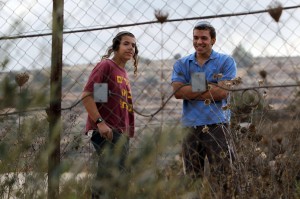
(228, 83)
(223, 154)
(207, 102)
(257, 150)
(237, 81)
(270, 107)
(21, 79)
(160, 16)
(205, 129)
(275, 10)
(218, 76)
(265, 94)
(244, 130)
(263, 155)
(226, 107)
(252, 128)
(234, 124)
(279, 140)
(263, 74)
(255, 137)
(237, 127)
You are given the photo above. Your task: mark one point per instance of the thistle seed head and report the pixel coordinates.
(161, 16)
(21, 78)
(275, 10)
(205, 129)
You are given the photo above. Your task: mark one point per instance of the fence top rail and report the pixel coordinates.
(148, 22)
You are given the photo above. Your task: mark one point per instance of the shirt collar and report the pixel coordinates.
(213, 55)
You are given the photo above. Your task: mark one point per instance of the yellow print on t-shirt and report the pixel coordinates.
(120, 80)
(126, 94)
(126, 105)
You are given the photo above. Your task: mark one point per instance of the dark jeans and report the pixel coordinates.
(213, 144)
(105, 166)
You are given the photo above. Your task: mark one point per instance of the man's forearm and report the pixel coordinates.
(214, 93)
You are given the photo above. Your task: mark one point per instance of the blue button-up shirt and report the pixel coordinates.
(195, 112)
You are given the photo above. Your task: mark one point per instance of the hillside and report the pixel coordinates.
(152, 84)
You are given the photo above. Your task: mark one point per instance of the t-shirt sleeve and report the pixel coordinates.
(97, 76)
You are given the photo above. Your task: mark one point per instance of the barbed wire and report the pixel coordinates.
(148, 22)
(164, 104)
(44, 109)
(255, 87)
(72, 126)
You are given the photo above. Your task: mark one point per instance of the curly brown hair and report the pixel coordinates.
(116, 44)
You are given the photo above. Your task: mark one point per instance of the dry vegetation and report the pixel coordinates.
(266, 143)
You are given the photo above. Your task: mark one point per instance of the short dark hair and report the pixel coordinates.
(205, 25)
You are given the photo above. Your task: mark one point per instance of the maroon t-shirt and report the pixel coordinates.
(118, 111)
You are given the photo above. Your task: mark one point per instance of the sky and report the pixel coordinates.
(259, 34)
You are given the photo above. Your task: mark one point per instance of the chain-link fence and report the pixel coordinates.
(263, 38)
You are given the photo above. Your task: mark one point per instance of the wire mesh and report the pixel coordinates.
(261, 36)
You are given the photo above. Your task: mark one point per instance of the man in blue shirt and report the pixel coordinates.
(205, 114)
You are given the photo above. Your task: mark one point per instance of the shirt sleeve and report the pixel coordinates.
(178, 74)
(229, 69)
(97, 76)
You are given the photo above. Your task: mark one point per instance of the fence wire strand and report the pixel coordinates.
(263, 38)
